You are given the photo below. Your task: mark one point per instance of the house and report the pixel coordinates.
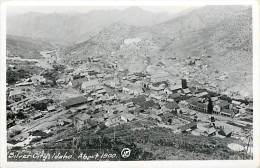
(167, 117)
(202, 94)
(38, 79)
(186, 91)
(235, 102)
(176, 88)
(37, 116)
(222, 104)
(80, 120)
(194, 104)
(89, 85)
(210, 132)
(227, 113)
(75, 101)
(175, 96)
(51, 108)
(157, 96)
(225, 132)
(127, 117)
(132, 89)
(16, 95)
(172, 106)
(129, 104)
(214, 98)
(158, 86)
(64, 121)
(167, 91)
(155, 117)
(114, 120)
(77, 83)
(23, 84)
(188, 127)
(138, 100)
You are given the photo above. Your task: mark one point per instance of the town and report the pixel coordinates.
(60, 101)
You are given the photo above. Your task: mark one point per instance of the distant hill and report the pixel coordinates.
(68, 29)
(219, 36)
(25, 47)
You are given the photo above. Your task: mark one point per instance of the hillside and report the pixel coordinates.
(25, 47)
(68, 29)
(218, 40)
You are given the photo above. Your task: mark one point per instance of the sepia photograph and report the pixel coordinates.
(129, 83)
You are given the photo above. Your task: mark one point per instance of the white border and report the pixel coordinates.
(178, 164)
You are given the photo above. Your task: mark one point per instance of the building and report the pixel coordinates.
(75, 101)
(89, 85)
(198, 106)
(227, 113)
(16, 95)
(176, 97)
(225, 132)
(184, 83)
(38, 79)
(51, 108)
(172, 106)
(24, 84)
(167, 91)
(127, 117)
(158, 86)
(80, 120)
(132, 89)
(188, 127)
(186, 91)
(210, 132)
(175, 88)
(114, 120)
(167, 117)
(202, 94)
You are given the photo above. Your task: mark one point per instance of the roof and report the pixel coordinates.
(223, 103)
(174, 95)
(187, 90)
(188, 126)
(193, 99)
(51, 108)
(90, 83)
(16, 92)
(128, 116)
(227, 111)
(92, 123)
(200, 105)
(227, 130)
(77, 82)
(74, 101)
(159, 85)
(211, 130)
(202, 94)
(175, 87)
(82, 116)
(171, 105)
(139, 99)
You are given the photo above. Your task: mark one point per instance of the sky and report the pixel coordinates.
(85, 9)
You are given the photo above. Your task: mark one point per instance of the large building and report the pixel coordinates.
(75, 101)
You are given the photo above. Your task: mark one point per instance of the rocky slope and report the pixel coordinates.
(24, 47)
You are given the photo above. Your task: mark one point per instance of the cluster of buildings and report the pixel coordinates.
(109, 98)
